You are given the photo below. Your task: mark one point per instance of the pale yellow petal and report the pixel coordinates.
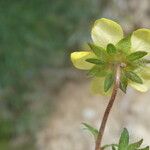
(140, 40)
(145, 73)
(141, 87)
(106, 31)
(97, 86)
(79, 59)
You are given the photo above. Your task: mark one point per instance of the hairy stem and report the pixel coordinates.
(109, 107)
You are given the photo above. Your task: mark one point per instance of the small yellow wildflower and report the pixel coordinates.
(110, 47)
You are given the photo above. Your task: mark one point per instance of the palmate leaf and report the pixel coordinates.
(91, 129)
(136, 55)
(124, 140)
(133, 77)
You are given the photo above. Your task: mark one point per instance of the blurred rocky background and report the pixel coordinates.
(43, 99)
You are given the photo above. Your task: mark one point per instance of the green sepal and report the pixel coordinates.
(135, 145)
(124, 44)
(109, 79)
(136, 55)
(95, 61)
(124, 140)
(91, 129)
(111, 49)
(133, 77)
(97, 71)
(98, 51)
(123, 83)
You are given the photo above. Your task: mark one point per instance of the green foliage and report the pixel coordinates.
(123, 143)
(123, 83)
(109, 79)
(119, 53)
(136, 55)
(6, 126)
(124, 44)
(111, 49)
(95, 61)
(99, 51)
(113, 147)
(145, 148)
(133, 77)
(34, 35)
(135, 145)
(124, 140)
(110, 145)
(91, 129)
(97, 71)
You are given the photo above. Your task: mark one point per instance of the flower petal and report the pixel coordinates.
(145, 74)
(140, 40)
(97, 86)
(106, 31)
(78, 59)
(141, 87)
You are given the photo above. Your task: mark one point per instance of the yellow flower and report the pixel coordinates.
(108, 36)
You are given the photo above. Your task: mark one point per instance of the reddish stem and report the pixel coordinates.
(109, 107)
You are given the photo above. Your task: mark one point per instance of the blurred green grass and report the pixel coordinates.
(35, 35)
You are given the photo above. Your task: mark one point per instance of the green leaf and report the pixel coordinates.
(111, 49)
(136, 145)
(123, 83)
(133, 77)
(109, 145)
(97, 71)
(109, 79)
(136, 55)
(113, 148)
(98, 51)
(92, 130)
(146, 148)
(124, 44)
(124, 140)
(95, 61)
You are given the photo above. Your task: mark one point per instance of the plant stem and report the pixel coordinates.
(109, 107)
